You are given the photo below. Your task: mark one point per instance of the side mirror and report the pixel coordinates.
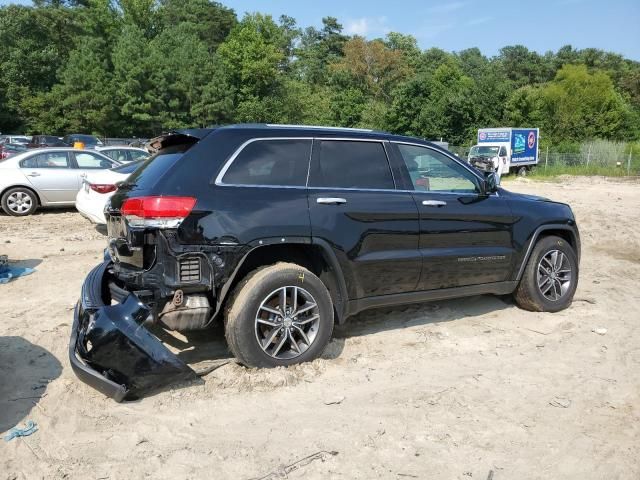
(491, 182)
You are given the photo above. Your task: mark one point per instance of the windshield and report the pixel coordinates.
(483, 151)
(19, 140)
(128, 168)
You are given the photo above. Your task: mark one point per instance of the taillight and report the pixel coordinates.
(102, 188)
(159, 212)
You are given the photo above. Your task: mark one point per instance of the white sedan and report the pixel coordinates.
(47, 177)
(99, 187)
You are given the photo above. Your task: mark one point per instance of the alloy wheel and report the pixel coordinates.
(287, 322)
(554, 275)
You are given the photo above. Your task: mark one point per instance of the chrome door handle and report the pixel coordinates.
(331, 200)
(33, 174)
(433, 203)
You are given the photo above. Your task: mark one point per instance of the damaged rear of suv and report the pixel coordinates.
(280, 231)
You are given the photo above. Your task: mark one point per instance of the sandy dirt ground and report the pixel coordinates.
(466, 389)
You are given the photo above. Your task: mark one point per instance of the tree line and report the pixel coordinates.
(140, 67)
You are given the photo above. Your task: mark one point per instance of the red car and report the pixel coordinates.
(9, 149)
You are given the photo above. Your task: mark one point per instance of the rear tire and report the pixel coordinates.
(261, 333)
(550, 278)
(19, 202)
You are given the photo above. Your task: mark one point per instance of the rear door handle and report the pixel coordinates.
(33, 174)
(433, 203)
(331, 200)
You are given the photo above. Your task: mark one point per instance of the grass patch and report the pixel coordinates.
(586, 170)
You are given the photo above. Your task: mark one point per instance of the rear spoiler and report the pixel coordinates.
(178, 137)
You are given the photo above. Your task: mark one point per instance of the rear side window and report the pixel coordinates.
(271, 163)
(137, 155)
(47, 160)
(91, 160)
(349, 164)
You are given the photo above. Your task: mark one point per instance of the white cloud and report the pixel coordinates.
(367, 26)
(478, 21)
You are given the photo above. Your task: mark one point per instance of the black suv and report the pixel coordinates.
(281, 231)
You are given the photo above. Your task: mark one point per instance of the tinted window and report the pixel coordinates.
(154, 167)
(432, 171)
(128, 168)
(92, 160)
(271, 162)
(137, 155)
(118, 155)
(348, 164)
(47, 160)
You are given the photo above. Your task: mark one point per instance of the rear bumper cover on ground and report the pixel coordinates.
(112, 351)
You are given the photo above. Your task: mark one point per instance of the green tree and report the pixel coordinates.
(210, 20)
(434, 106)
(577, 105)
(35, 43)
(82, 101)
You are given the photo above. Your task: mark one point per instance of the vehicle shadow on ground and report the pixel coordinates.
(47, 211)
(404, 316)
(25, 371)
(209, 347)
(199, 348)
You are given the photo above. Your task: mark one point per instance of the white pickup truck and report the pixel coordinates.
(506, 149)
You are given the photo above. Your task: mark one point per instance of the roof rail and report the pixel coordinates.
(320, 127)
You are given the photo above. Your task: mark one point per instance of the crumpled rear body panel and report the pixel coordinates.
(112, 351)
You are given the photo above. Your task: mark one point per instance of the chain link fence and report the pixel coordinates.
(618, 161)
(123, 141)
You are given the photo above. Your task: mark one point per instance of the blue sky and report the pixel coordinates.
(540, 25)
(490, 24)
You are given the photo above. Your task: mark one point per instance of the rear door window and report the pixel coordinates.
(271, 163)
(47, 160)
(92, 160)
(351, 164)
(136, 155)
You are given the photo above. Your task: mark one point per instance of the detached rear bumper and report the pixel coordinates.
(111, 350)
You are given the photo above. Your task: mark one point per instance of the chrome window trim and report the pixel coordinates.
(218, 181)
(447, 154)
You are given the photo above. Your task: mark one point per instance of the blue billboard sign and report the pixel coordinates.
(524, 145)
(493, 136)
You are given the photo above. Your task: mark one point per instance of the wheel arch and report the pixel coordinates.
(27, 187)
(566, 232)
(317, 257)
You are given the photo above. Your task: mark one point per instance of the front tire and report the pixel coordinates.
(279, 315)
(19, 202)
(550, 278)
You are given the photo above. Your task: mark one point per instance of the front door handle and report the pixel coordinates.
(331, 200)
(433, 203)
(33, 174)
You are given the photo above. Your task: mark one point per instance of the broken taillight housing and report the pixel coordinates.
(158, 212)
(103, 187)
